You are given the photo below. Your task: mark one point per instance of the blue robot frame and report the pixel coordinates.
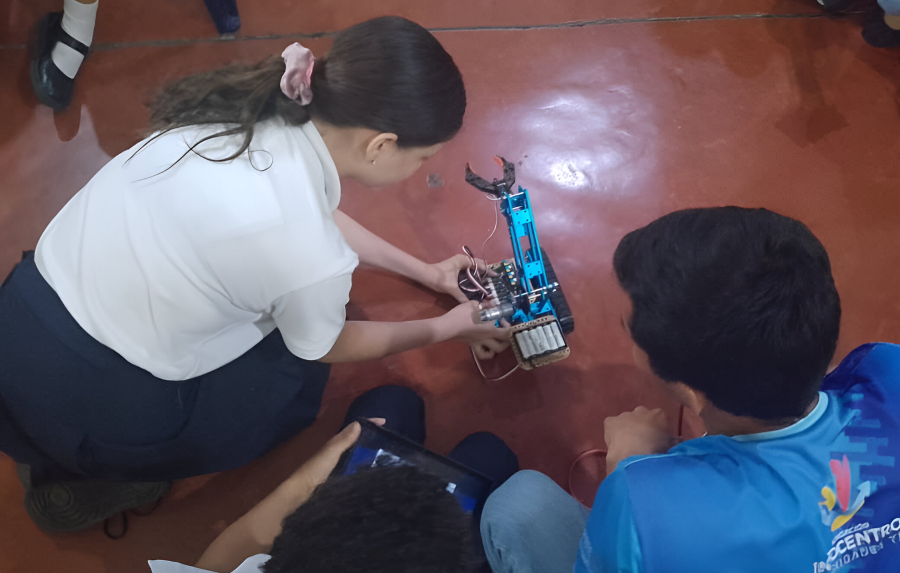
(526, 293)
(532, 277)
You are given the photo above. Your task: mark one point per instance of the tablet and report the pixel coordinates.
(377, 447)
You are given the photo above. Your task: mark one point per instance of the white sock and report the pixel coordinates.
(78, 21)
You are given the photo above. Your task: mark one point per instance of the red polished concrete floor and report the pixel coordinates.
(649, 106)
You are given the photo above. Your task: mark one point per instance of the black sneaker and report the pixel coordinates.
(52, 87)
(878, 34)
(75, 505)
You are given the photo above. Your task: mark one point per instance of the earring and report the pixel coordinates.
(373, 162)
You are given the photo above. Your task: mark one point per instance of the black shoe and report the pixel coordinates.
(878, 34)
(52, 87)
(59, 507)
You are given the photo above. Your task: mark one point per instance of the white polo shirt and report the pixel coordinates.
(250, 565)
(183, 271)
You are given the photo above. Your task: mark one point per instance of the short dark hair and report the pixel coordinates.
(380, 520)
(737, 303)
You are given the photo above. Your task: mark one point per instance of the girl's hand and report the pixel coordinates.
(487, 349)
(485, 338)
(444, 276)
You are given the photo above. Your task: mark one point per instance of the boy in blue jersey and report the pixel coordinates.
(736, 312)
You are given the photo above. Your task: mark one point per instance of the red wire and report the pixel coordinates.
(493, 231)
(475, 282)
(478, 364)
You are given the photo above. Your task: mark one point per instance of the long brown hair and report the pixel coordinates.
(388, 74)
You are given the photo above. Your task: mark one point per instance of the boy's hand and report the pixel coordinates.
(641, 432)
(317, 469)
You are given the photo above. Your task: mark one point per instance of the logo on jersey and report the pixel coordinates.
(836, 508)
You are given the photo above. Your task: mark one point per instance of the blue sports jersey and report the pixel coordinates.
(820, 495)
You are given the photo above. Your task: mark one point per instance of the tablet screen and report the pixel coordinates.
(377, 447)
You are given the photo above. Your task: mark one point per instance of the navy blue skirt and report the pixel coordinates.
(70, 405)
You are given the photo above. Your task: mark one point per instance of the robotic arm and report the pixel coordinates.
(525, 291)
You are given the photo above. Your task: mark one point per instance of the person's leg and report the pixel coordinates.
(402, 409)
(890, 7)
(891, 14)
(224, 14)
(81, 417)
(883, 28)
(47, 407)
(486, 453)
(60, 45)
(78, 20)
(531, 525)
(91, 412)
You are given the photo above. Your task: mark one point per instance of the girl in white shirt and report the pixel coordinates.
(179, 314)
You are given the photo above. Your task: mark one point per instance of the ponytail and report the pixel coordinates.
(236, 96)
(388, 74)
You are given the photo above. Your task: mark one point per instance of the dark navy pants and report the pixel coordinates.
(70, 406)
(404, 412)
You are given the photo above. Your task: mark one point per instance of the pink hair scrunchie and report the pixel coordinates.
(296, 81)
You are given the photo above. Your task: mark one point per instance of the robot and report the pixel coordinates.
(524, 291)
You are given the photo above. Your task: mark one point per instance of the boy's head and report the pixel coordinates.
(738, 304)
(383, 520)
